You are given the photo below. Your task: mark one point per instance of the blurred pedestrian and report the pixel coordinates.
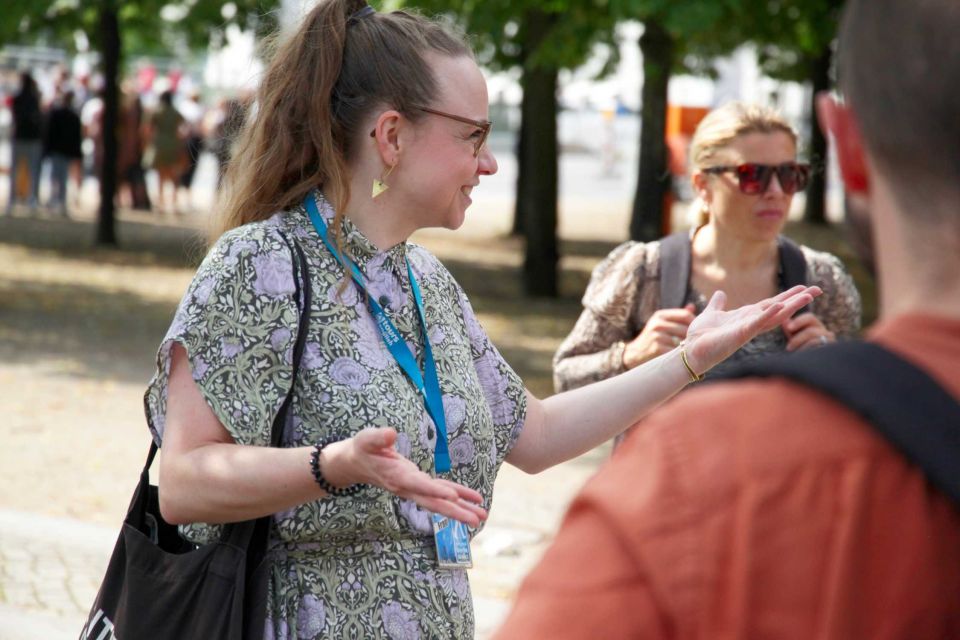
(27, 147)
(225, 129)
(130, 150)
(62, 147)
(193, 113)
(166, 134)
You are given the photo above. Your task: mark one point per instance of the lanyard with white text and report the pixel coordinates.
(391, 337)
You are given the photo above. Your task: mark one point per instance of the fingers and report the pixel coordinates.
(809, 337)
(682, 316)
(800, 322)
(467, 513)
(671, 329)
(717, 302)
(466, 493)
(794, 304)
(371, 439)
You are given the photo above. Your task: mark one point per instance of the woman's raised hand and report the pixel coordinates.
(369, 457)
(661, 334)
(715, 334)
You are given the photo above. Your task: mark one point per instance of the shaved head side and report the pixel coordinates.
(899, 70)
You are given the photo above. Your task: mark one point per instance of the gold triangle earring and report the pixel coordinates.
(379, 186)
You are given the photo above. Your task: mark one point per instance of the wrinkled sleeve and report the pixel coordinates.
(839, 307)
(237, 323)
(594, 349)
(502, 387)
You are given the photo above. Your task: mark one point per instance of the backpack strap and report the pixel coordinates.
(904, 404)
(674, 270)
(793, 266)
(675, 260)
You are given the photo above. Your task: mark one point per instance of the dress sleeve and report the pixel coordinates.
(502, 387)
(237, 323)
(839, 307)
(594, 349)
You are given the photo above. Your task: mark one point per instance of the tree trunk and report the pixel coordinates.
(537, 196)
(518, 212)
(815, 211)
(653, 179)
(110, 42)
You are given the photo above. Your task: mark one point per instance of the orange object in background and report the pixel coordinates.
(681, 123)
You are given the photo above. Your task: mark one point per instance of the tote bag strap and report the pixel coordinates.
(253, 534)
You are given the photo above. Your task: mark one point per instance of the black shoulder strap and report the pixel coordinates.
(674, 270)
(901, 401)
(793, 266)
(301, 282)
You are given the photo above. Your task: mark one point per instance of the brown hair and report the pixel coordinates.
(320, 87)
(720, 127)
(896, 64)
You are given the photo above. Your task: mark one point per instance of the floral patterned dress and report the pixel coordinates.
(363, 566)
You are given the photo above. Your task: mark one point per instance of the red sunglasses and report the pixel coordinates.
(753, 178)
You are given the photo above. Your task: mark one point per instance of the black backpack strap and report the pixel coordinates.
(674, 270)
(793, 266)
(901, 401)
(675, 260)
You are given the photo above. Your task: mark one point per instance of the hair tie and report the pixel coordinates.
(361, 13)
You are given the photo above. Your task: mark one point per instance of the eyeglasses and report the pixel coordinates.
(755, 178)
(483, 125)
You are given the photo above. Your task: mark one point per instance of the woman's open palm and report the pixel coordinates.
(716, 334)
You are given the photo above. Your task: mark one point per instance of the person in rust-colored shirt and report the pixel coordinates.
(762, 508)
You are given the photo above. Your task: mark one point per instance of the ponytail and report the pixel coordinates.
(320, 88)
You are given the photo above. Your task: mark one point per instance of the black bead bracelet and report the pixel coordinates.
(318, 476)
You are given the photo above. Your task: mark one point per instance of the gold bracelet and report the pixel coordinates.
(683, 356)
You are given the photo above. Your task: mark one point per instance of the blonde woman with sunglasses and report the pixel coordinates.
(745, 173)
(368, 126)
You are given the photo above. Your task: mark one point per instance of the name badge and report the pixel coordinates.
(453, 542)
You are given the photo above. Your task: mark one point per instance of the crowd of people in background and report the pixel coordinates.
(56, 137)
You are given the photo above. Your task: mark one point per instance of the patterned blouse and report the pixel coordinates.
(364, 566)
(624, 291)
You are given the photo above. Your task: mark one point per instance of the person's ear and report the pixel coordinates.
(838, 120)
(700, 185)
(386, 133)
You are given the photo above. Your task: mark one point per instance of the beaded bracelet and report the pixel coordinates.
(318, 476)
(694, 376)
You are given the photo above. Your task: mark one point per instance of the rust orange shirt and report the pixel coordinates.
(758, 509)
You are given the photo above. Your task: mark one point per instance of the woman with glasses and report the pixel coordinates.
(643, 297)
(368, 126)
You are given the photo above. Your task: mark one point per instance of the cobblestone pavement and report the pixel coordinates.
(50, 568)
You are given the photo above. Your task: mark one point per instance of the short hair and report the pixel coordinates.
(897, 63)
(722, 125)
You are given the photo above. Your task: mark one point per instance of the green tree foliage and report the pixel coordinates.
(117, 28)
(795, 42)
(539, 38)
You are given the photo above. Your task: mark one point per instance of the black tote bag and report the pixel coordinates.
(159, 586)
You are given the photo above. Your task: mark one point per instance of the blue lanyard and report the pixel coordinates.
(391, 337)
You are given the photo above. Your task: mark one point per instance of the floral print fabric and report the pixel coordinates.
(364, 566)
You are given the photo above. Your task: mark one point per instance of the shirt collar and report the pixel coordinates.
(358, 247)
